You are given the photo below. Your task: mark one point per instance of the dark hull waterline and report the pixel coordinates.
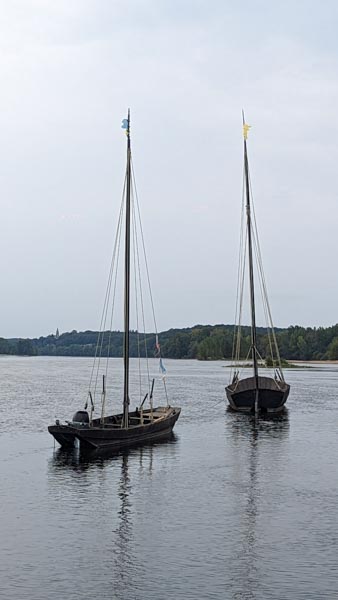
(111, 436)
(272, 395)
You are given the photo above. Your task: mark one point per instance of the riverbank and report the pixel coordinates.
(204, 342)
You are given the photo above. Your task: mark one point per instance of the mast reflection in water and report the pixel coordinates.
(123, 539)
(249, 437)
(113, 514)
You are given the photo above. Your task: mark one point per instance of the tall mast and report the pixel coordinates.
(251, 271)
(127, 284)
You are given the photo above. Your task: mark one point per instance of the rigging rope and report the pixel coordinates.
(269, 321)
(141, 297)
(158, 347)
(113, 303)
(144, 248)
(110, 296)
(239, 291)
(272, 340)
(99, 343)
(116, 255)
(136, 301)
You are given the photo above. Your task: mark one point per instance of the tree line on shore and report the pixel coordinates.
(203, 342)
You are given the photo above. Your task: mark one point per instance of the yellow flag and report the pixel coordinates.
(246, 130)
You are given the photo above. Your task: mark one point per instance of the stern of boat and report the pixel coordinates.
(272, 395)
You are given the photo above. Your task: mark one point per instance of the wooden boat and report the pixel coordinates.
(143, 427)
(128, 428)
(255, 394)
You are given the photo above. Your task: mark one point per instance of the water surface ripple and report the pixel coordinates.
(230, 508)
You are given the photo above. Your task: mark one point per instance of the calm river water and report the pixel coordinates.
(228, 509)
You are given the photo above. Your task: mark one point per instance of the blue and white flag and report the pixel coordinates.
(125, 124)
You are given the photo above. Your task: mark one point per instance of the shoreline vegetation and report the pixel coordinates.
(201, 342)
(285, 364)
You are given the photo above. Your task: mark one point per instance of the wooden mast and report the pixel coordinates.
(125, 422)
(251, 271)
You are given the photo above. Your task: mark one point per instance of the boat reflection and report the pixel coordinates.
(73, 458)
(258, 442)
(105, 490)
(265, 425)
(123, 558)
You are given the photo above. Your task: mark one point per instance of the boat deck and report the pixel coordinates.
(136, 418)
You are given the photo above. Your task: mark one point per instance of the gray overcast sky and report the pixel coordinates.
(70, 69)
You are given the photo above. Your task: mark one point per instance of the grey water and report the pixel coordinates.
(230, 508)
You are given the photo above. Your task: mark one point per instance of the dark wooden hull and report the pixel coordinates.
(111, 436)
(272, 395)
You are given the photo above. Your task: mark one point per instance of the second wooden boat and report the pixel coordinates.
(255, 394)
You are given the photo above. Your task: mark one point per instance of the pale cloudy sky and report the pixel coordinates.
(70, 69)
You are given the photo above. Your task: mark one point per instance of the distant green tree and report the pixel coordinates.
(332, 351)
(25, 348)
(302, 348)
